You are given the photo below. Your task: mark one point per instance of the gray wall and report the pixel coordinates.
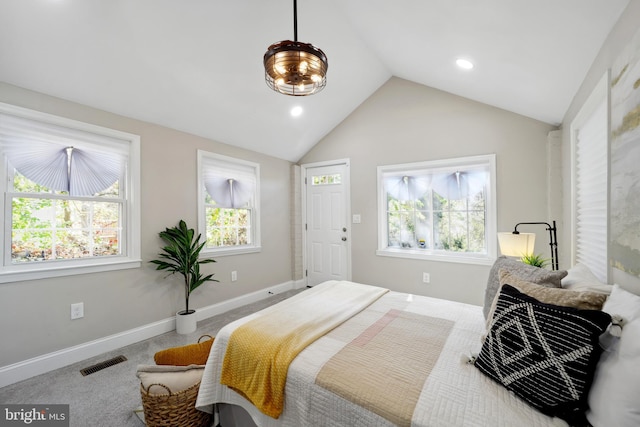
(405, 122)
(34, 315)
(617, 40)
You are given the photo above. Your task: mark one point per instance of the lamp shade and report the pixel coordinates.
(516, 244)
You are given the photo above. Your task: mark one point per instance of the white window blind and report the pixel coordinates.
(591, 191)
(63, 159)
(230, 184)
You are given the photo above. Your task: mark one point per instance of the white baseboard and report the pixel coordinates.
(19, 371)
(215, 309)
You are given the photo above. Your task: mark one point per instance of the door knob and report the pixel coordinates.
(344, 239)
(344, 229)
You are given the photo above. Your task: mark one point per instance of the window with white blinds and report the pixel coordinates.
(440, 210)
(70, 196)
(228, 204)
(590, 185)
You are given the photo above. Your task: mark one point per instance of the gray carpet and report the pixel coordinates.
(109, 397)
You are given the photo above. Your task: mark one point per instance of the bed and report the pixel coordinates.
(399, 359)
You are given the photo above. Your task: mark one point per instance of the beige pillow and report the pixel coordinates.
(176, 378)
(541, 276)
(583, 300)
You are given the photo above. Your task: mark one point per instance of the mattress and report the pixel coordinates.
(450, 391)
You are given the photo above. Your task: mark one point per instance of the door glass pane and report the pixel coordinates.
(332, 179)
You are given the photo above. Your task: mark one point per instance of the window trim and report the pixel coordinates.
(255, 211)
(131, 210)
(490, 203)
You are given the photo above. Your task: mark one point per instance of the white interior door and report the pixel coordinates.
(327, 228)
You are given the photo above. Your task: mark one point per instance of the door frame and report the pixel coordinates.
(347, 194)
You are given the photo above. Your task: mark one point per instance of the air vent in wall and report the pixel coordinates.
(102, 365)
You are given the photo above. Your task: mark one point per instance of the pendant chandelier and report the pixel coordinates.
(295, 68)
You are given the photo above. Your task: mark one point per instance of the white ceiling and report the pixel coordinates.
(196, 65)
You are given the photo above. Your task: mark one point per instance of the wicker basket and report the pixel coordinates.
(173, 409)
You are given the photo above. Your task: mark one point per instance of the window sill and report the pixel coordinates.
(17, 273)
(430, 256)
(211, 253)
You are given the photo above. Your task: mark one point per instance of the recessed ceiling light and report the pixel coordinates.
(464, 64)
(296, 111)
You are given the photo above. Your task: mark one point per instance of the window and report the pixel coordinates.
(589, 133)
(228, 203)
(440, 210)
(68, 191)
(333, 179)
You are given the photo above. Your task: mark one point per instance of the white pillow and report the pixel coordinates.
(622, 303)
(613, 399)
(176, 378)
(580, 278)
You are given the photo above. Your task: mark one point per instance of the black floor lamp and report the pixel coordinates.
(518, 244)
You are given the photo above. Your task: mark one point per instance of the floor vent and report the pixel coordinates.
(102, 365)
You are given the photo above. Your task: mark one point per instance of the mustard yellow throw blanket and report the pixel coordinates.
(260, 351)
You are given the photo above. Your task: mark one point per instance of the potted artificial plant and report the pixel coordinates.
(534, 260)
(181, 256)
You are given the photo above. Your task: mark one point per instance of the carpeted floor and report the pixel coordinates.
(108, 397)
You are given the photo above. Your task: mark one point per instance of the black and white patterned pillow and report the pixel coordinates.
(545, 354)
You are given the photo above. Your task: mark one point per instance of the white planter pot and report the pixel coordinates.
(186, 323)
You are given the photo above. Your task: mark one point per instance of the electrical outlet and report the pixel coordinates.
(426, 278)
(234, 276)
(77, 311)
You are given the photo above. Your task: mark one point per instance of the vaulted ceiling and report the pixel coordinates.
(196, 65)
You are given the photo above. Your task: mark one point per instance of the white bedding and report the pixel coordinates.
(454, 394)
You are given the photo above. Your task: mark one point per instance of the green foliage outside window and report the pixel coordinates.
(437, 223)
(47, 228)
(228, 227)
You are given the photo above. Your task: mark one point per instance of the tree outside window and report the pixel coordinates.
(48, 228)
